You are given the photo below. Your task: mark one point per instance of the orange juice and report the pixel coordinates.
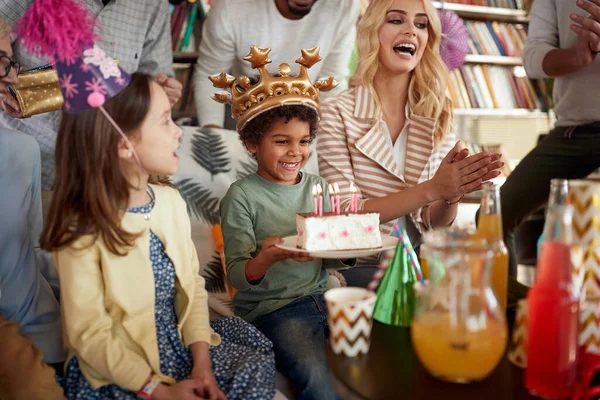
(462, 357)
(424, 267)
(490, 227)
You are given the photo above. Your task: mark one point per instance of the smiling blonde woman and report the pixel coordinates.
(390, 132)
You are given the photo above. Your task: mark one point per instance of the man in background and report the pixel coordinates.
(567, 51)
(285, 26)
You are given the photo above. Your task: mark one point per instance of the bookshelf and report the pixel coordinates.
(495, 60)
(492, 82)
(467, 11)
(494, 100)
(502, 113)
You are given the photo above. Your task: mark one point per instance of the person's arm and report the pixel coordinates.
(337, 62)
(238, 236)
(36, 222)
(217, 54)
(88, 327)
(439, 213)
(542, 56)
(202, 373)
(157, 54)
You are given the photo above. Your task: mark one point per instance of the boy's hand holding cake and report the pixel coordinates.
(257, 267)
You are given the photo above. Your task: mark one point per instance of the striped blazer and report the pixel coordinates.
(352, 147)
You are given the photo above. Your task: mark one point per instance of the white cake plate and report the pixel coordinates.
(387, 243)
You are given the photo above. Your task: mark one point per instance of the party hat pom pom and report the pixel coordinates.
(96, 99)
(59, 29)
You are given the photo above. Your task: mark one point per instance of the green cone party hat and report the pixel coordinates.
(396, 297)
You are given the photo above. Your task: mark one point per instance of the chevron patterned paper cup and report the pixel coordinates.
(589, 327)
(586, 271)
(584, 195)
(350, 317)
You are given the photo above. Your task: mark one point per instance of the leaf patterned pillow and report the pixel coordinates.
(210, 160)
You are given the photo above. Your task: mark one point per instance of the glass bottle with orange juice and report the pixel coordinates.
(459, 330)
(490, 227)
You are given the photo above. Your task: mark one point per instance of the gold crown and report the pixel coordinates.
(248, 100)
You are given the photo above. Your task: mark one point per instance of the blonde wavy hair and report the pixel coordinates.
(427, 94)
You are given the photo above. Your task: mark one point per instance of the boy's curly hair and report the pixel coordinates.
(254, 129)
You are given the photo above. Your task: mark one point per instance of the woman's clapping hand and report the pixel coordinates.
(461, 173)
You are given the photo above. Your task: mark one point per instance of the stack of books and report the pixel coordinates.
(183, 18)
(498, 87)
(494, 38)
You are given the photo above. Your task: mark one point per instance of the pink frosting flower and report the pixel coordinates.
(345, 233)
(370, 229)
(322, 235)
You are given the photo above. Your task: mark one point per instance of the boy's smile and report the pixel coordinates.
(283, 151)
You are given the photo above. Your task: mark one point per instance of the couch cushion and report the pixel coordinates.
(210, 160)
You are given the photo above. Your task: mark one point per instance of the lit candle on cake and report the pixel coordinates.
(336, 189)
(331, 198)
(353, 198)
(320, 191)
(315, 207)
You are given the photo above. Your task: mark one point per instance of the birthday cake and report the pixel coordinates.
(332, 231)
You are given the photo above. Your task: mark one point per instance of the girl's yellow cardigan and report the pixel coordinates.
(108, 301)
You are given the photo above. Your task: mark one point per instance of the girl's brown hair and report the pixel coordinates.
(91, 191)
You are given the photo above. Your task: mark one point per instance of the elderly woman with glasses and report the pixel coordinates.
(9, 70)
(30, 323)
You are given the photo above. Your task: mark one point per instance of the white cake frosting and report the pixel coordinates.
(338, 232)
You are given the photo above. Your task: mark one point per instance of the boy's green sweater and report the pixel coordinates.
(252, 210)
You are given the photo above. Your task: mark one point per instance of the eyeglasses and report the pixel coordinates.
(6, 63)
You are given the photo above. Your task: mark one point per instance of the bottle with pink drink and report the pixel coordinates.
(553, 317)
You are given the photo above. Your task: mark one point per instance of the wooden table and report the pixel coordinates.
(391, 370)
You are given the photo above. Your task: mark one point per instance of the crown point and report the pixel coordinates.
(222, 80)
(285, 70)
(309, 57)
(326, 84)
(222, 97)
(258, 56)
(244, 82)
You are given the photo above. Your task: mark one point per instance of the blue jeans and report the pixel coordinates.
(299, 333)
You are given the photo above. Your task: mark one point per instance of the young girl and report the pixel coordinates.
(389, 133)
(134, 305)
